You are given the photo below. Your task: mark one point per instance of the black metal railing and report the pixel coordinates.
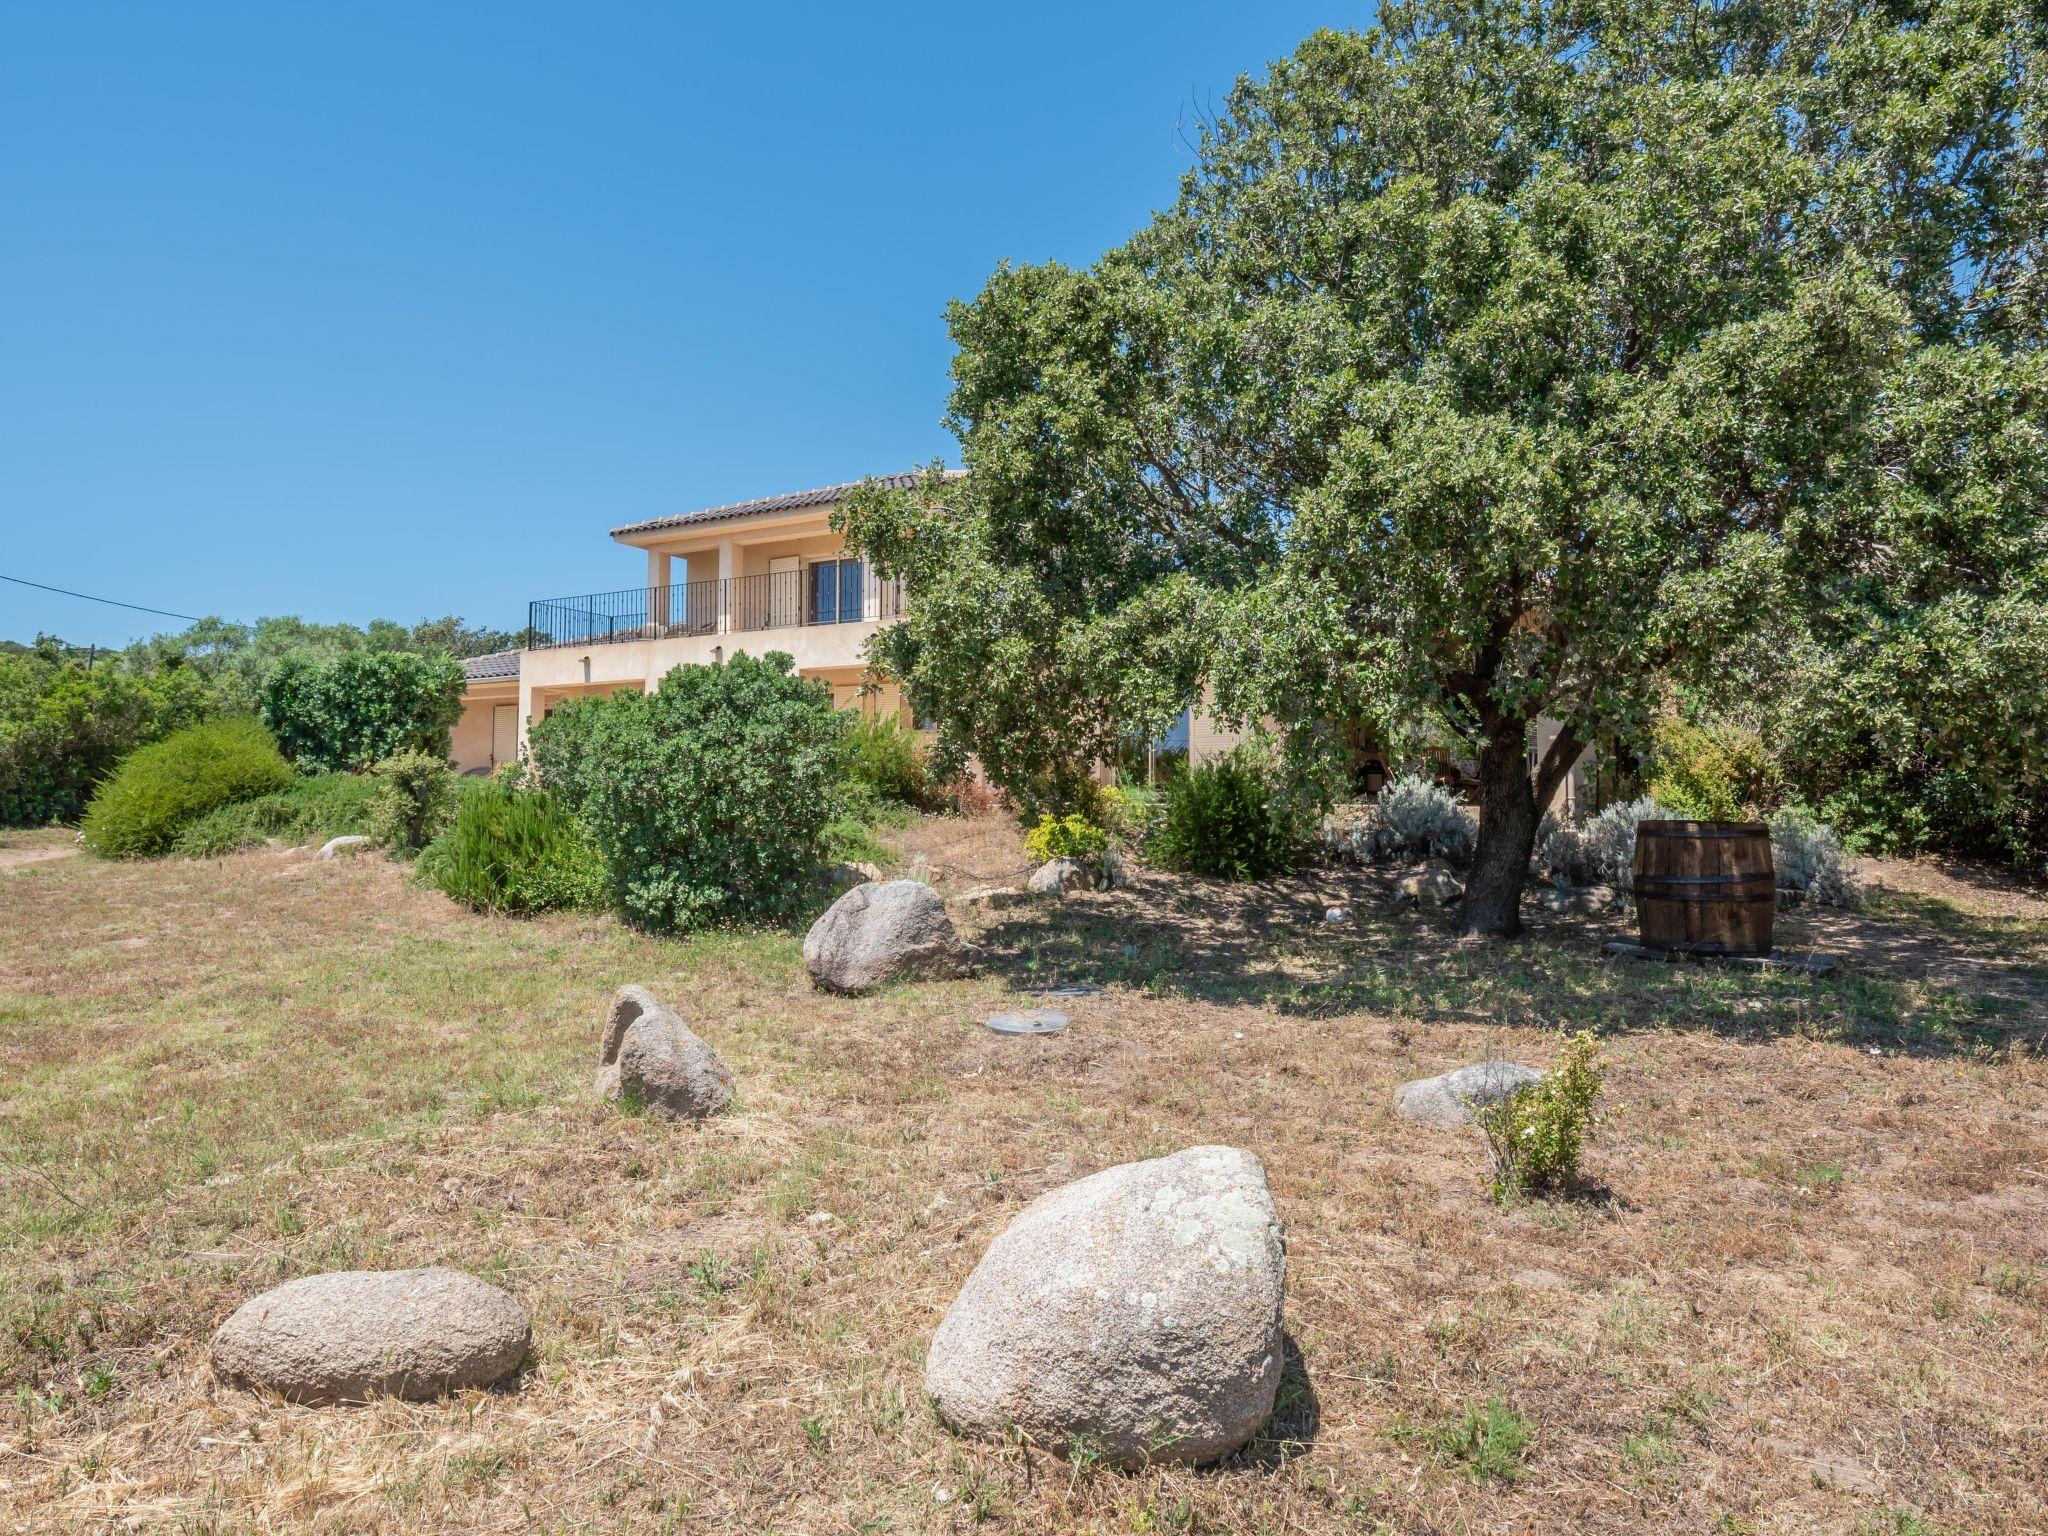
(826, 592)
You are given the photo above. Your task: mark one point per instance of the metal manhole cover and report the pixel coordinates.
(1070, 989)
(1033, 1021)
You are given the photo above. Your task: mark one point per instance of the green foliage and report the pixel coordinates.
(850, 840)
(515, 851)
(415, 796)
(885, 758)
(1487, 1440)
(1226, 818)
(1716, 772)
(237, 661)
(1508, 361)
(162, 788)
(1132, 812)
(1065, 837)
(363, 707)
(310, 809)
(707, 797)
(64, 727)
(1534, 1136)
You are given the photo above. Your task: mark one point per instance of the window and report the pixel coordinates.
(835, 594)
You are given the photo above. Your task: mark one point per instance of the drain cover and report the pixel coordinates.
(1070, 989)
(1033, 1021)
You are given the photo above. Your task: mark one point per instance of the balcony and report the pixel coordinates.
(826, 592)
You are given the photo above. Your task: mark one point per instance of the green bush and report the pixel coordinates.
(1227, 818)
(161, 789)
(1069, 837)
(515, 851)
(888, 760)
(363, 707)
(1132, 812)
(1713, 772)
(707, 797)
(1534, 1136)
(414, 798)
(64, 727)
(311, 809)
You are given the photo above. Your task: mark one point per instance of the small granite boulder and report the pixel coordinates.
(335, 847)
(880, 932)
(651, 1056)
(1056, 877)
(1430, 887)
(1447, 1100)
(1135, 1312)
(355, 1335)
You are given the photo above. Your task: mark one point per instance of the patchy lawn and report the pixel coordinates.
(1810, 1299)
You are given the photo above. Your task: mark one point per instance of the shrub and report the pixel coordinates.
(1601, 851)
(706, 797)
(414, 798)
(515, 851)
(1534, 1136)
(1809, 857)
(1413, 818)
(889, 760)
(363, 707)
(1226, 818)
(310, 809)
(161, 789)
(1133, 812)
(1069, 837)
(1713, 772)
(63, 728)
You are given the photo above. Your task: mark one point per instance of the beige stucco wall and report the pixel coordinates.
(469, 743)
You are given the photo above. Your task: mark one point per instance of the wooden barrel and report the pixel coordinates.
(1705, 886)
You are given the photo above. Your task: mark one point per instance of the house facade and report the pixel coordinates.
(753, 577)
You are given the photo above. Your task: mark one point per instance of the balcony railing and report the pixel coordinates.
(829, 592)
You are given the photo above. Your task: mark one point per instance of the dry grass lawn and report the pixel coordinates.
(1808, 1295)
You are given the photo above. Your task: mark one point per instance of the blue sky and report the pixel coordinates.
(395, 309)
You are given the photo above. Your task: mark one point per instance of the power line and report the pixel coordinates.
(109, 601)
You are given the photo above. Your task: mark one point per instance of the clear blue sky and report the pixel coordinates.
(395, 309)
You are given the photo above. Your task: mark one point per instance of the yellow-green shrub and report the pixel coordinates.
(161, 789)
(1718, 772)
(1067, 837)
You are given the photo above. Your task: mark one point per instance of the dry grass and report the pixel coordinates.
(1811, 1300)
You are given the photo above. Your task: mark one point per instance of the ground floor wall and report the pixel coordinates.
(487, 733)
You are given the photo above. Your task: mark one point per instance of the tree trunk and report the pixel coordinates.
(1507, 832)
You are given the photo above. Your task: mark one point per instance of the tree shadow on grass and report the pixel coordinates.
(1268, 945)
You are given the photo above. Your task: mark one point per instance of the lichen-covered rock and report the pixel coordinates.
(355, 1335)
(1056, 877)
(335, 847)
(884, 931)
(1135, 1313)
(1447, 1100)
(650, 1056)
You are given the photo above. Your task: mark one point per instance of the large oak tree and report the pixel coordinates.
(1505, 360)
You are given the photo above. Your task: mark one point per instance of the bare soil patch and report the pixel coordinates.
(1814, 1297)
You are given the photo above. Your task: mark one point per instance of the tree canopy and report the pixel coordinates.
(1504, 360)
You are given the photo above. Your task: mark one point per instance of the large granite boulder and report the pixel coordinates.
(1448, 1099)
(1135, 1313)
(352, 1336)
(884, 931)
(651, 1057)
